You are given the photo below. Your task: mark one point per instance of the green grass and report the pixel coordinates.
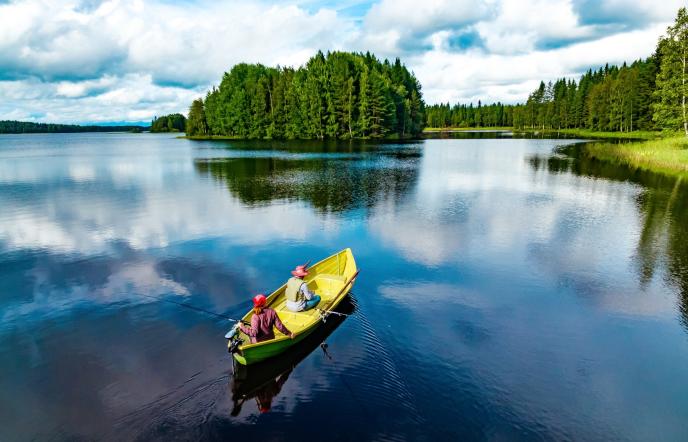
(594, 134)
(663, 152)
(666, 155)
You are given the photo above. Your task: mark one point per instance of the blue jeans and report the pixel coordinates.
(312, 303)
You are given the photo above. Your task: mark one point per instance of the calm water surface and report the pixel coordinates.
(508, 291)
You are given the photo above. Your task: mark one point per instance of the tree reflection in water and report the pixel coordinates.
(332, 177)
(663, 204)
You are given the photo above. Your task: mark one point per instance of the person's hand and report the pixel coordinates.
(292, 336)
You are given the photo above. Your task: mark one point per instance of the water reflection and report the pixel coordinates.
(507, 292)
(662, 203)
(329, 177)
(264, 381)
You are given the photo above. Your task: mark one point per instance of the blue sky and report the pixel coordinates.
(128, 60)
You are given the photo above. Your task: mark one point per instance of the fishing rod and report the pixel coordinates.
(229, 334)
(198, 309)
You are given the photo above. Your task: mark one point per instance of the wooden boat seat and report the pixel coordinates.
(327, 285)
(330, 277)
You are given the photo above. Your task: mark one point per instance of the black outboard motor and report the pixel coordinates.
(233, 344)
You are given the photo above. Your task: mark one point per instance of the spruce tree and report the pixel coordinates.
(196, 123)
(670, 108)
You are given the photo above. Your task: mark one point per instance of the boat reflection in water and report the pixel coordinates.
(264, 381)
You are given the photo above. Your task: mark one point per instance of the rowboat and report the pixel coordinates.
(263, 381)
(331, 278)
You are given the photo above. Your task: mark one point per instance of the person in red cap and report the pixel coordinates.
(298, 296)
(262, 321)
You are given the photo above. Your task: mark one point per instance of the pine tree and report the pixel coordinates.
(364, 104)
(332, 96)
(196, 123)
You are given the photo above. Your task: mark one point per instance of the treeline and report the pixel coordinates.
(169, 123)
(27, 127)
(461, 115)
(608, 99)
(339, 95)
(649, 94)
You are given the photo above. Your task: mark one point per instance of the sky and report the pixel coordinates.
(93, 61)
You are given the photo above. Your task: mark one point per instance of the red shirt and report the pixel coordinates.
(261, 326)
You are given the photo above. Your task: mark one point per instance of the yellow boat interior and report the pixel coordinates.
(325, 278)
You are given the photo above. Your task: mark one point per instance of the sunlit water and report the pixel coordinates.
(507, 291)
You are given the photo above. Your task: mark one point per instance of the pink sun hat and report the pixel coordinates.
(300, 271)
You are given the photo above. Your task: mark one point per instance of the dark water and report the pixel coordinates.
(508, 291)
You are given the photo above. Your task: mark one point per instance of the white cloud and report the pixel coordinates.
(132, 97)
(186, 44)
(521, 26)
(405, 24)
(474, 75)
(132, 59)
(141, 58)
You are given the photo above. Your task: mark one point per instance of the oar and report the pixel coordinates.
(350, 281)
(347, 284)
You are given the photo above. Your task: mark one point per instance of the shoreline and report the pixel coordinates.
(237, 138)
(661, 152)
(599, 135)
(433, 130)
(582, 133)
(668, 156)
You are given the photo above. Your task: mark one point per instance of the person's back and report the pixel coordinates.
(262, 321)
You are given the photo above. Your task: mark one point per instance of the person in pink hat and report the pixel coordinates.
(299, 298)
(262, 321)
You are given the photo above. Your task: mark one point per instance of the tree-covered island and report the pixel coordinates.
(338, 95)
(169, 123)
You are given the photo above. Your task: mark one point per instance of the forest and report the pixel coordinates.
(338, 95)
(169, 123)
(462, 115)
(27, 127)
(648, 94)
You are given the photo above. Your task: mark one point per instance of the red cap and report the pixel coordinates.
(259, 300)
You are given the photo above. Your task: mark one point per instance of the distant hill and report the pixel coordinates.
(26, 127)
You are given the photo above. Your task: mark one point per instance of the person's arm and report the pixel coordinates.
(306, 293)
(253, 330)
(281, 327)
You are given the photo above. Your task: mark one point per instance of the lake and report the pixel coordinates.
(510, 289)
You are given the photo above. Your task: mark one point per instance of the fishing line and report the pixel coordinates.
(192, 307)
(202, 310)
